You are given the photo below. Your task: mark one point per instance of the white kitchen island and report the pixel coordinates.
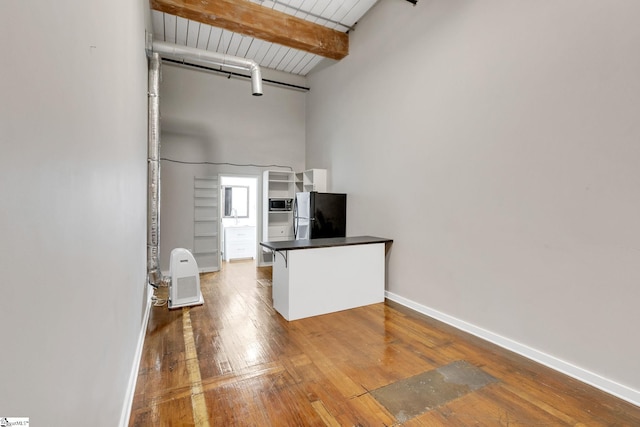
(320, 276)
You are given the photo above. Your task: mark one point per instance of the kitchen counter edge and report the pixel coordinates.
(289, 245)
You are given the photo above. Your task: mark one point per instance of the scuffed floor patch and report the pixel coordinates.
(413, 396)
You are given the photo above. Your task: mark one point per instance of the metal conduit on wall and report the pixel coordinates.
(186, 52)
(154, 275)
(153, 167)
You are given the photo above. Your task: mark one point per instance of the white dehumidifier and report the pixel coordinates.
(184, 289)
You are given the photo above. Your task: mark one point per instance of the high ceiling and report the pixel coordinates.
(293, 36)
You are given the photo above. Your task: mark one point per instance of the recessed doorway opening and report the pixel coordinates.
(238, 217)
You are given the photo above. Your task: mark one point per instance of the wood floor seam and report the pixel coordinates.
(198, 404)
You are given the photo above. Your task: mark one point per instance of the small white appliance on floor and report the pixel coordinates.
(184, 289)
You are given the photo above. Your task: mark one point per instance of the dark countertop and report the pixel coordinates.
(288, 245)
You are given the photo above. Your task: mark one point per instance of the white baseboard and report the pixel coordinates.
(604, 384)
(131, 388)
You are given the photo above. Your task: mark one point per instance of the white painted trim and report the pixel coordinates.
(131, 388)
(604, 384)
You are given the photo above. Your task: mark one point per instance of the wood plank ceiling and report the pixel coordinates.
(293, 36)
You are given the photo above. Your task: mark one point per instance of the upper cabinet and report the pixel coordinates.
(279, 185)
(312, 180)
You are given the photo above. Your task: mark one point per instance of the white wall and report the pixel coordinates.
(72, 207)
(206, 117)
(497, 144)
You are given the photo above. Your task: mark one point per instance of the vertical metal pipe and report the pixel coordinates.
(154, 275)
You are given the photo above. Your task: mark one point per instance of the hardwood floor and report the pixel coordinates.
(235, 361)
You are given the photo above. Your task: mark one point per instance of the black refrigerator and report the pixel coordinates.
(319, 215)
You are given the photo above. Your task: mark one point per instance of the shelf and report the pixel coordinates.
(314, 180)
(205, 223)
(277, 224)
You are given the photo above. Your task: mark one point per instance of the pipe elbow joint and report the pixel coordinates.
(256, 80)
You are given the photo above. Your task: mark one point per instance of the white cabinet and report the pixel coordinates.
(239, 242)
(303, 286)
(314, 180)
(276, 225)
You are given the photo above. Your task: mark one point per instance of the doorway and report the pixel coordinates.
(238, 217)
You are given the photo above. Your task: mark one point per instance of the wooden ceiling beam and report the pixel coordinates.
(253, 20)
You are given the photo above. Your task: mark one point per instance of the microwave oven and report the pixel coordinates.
(280, 204)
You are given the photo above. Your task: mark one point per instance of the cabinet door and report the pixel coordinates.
(239, 242)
